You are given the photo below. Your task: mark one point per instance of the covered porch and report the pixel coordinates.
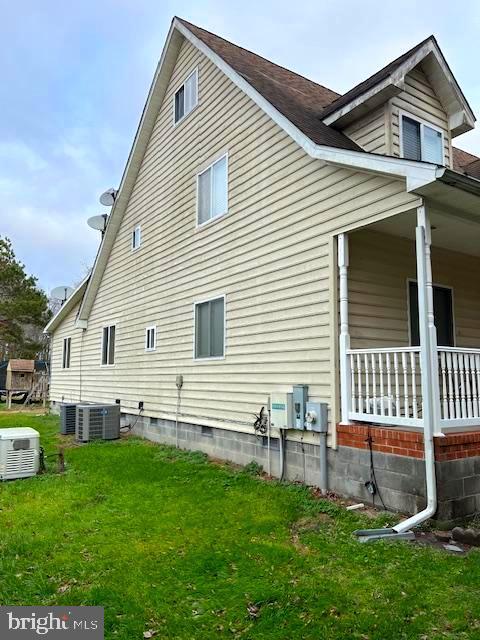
(409, 306)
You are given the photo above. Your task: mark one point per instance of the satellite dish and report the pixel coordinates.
(61, 293)
(98, 222)
(108, 197)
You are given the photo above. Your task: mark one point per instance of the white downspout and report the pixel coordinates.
(429, 367)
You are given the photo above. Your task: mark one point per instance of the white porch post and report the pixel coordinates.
(344, 342)
(428, 341)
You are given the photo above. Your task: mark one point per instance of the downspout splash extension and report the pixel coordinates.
(403, 530)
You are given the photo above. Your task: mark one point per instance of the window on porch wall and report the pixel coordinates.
(443, 310)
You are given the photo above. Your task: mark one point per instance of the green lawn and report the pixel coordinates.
(167, 541)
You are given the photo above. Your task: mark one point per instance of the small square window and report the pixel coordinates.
(210, 329)
(150, 338)
(420, 141)
(186, 98)
(136, 237)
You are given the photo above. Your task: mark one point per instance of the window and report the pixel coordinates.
(150, 338)
(108, 345)
(136, 237)
(212, 191)
(210, 328)
(443, 310)
(420, 141)
(186, 97)
(67, 343)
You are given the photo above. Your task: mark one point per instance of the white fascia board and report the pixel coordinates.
(66, 307)
(397, 79)
(142, 137)
(386, 165)
(415, 173)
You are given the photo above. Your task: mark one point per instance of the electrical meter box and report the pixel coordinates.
(281, 410)
(316, 417)
(300, 397)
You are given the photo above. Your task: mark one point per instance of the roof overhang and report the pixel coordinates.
(67, 306)
(415, 174)
(461, 117)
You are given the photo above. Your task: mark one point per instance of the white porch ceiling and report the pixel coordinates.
(449, 231)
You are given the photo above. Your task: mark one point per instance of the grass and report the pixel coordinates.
(170, 542)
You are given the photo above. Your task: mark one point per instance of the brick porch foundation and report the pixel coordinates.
(457, 457)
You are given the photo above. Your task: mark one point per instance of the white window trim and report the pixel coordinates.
(200, 173)
(69, 352)
(195, 304)
(185, 115)
(441, 286)
(104, 326)
(147, 329)
(423, 124)
(138, 228)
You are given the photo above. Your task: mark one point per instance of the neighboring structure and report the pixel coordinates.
(256, 209)
(20, 375)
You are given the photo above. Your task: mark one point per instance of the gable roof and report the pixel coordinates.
(389, 81)
(287, 98)
(373, 80)
(21, 365)
(67, 306)
(297, 98)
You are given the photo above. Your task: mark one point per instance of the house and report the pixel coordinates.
(269, 232)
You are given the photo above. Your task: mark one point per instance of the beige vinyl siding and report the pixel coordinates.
(65, 383)
(271, 255)
(371, 131)
(420, 100)
(380, 266)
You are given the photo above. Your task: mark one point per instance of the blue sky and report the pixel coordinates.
(75, 77)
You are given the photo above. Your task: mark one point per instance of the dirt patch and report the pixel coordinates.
(307, 525)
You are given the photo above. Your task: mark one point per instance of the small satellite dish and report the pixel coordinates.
(98, 222)
(108, 197)
(61, 293)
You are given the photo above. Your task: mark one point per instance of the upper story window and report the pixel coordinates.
(67, 344)
(212, 191)
(210, 328)
(421, 141)
(186, 98)
(150, 338)
(136, 237)
(108, 345)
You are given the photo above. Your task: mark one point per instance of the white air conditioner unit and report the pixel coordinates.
(97, 422)
(19, 453)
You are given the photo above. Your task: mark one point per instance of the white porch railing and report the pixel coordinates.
(386, 385)
(459, 371)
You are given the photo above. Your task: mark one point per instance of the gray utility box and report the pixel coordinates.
(67, 418)
(97, 422)
(316, 417)
(300, 397)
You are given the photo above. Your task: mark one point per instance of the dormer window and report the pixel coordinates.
(186, 97)
(421, 141)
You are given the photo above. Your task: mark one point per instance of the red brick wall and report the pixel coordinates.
(408, 443)
(402, 443)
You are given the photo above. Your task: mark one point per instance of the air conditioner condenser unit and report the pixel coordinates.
(97, 422)
(67, 418)
(19, 453)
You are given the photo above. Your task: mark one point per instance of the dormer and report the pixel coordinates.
(411, 108)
